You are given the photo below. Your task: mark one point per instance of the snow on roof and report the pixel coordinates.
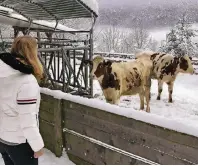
(53, 24)
(92, 4)
(54, 10)
(6, 9)
(14, 19)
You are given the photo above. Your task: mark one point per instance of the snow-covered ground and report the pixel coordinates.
(185, 101)
(50, 159)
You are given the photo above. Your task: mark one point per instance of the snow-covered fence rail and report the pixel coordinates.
(115, 55)
(195, 64)
(195, 61)
(98, 133)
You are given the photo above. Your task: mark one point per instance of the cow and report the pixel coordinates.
(123, 78)
(166, 68)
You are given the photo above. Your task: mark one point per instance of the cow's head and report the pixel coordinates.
(185, 64)
(100, 67)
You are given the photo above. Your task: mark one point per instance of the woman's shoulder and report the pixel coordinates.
(28, 79)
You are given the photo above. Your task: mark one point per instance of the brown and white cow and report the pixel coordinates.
(166, 67)
(123, 78)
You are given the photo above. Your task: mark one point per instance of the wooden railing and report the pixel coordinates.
(94, 136)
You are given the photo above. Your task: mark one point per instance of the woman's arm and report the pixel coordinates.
(27, 97)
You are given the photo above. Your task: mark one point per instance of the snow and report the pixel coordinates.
(15, 19)
(6, 9)
(117, 59)
(93, 4)
(180, 116)
(96, 55)
(53, 24)
(107, 53)
(50, 159)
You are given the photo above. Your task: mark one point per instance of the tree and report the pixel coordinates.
(179, 40)
(111, 38)
(141, 37)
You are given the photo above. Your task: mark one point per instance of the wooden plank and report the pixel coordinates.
(45, 97)
(47, 106)
(157, 131)
(77, 160)
(44, 115)
(58, 141)
(47, 135)
(51, 112)
(129, 144)
(94, 153)
(46, 129)
(49, 145)
(156, 144)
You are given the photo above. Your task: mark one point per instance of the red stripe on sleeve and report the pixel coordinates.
(29, 100)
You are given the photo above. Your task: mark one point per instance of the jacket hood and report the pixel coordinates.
(9, 66)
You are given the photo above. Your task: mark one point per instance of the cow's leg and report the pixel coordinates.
(170, 90)
(147, 96)
(116, 98)
(117, 101)
(109, 101)
(141, 95)
(160, 86)
(147, 88)
(113, 101)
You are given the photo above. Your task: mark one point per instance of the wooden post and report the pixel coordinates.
(39, 39)
(86, 68)
(16, 32)
(50, 123)
(49, 35)
(25, 31)
(58, 143)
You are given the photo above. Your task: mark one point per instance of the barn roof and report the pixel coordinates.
(53, 9)
(9, 17)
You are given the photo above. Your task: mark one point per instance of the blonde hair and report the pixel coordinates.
(26, 46)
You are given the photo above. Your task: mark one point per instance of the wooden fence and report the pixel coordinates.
(50, 123)
(93, 136)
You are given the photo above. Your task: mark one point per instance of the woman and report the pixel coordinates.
(20, 140)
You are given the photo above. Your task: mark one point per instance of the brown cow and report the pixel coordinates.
(123, 78)
(166, 67)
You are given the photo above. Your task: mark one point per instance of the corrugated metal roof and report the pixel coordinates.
(9, 17)
(50, 9)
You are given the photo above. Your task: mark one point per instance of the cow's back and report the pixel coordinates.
(130, 75)
(164, 67)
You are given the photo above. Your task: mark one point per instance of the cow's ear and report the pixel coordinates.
(107, 63)
(190, 58)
